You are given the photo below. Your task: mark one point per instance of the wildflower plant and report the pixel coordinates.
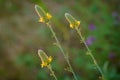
(46, 61)
(45, 18)
(75, 25)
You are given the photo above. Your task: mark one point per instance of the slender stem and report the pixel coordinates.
(71, 69)
(52, 72)
(90, 53)
(66, 57)
(54, 35)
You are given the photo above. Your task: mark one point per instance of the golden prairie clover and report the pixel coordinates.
(44, 58)
(72, 21)
(44, 16)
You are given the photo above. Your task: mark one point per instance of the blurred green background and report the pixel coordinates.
(21, 35)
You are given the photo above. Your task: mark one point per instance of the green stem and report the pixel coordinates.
(52, 72)
(91, 55)
(66, 57)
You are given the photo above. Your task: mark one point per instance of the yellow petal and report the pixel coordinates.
(49, 59)
(42, 65)
(48, 16)
(78, 23)
(71, 25)
(41, 20)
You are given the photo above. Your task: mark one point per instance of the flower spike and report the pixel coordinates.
(44, 58)
(44, 17)
(73, 22)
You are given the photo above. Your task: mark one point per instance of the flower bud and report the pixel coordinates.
(73, 22)
(44, 58)
(44, 17)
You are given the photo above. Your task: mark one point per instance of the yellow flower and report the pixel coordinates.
(73, 22)
(48, 16)
(44, 58)
(43, 64)
(44, 17)
(41, 19)
(49, 59)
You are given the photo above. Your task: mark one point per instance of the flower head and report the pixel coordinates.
(44, 58)
(73, 22)
(44, 17)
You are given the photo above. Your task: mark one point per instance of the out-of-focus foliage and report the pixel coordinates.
(21, 36)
